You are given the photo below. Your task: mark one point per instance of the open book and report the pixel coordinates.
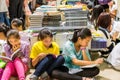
(74, 71)
(89, 66)
(17, 53)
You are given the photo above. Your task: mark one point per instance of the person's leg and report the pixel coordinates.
(1, 17)
(43, 65)
(6, 19)
(19, 66)
(57, 74)
(89, 72)
(20, 11)
(9, 71)
(59, 61)
(13, 5)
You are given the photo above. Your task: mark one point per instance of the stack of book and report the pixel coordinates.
(75, 17)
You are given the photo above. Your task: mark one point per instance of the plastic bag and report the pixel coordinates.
(2, 64)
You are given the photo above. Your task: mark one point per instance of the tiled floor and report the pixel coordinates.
(108, 73)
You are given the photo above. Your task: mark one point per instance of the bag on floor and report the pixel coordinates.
(2, 64)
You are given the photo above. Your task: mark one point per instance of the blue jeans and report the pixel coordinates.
(48, 64)
(4, 19)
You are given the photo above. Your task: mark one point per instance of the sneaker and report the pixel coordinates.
(33, 77)
(84, 78)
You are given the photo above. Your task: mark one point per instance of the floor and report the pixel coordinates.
(106, 72)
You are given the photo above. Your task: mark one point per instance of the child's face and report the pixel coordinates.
(14, 41)
(47, 41)
(84, 42)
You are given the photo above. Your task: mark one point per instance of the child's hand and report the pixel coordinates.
(115, 35)
(14, 48)
(99, 61)
(42, 55)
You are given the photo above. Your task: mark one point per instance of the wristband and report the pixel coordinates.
(82, 48)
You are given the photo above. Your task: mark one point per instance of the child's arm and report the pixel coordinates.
(26, 53)
(84, 63)
(38, 58)
(84, 54)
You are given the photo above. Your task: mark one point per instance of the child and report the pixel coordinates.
(44, 54)
(17, 24)
(18, 66)
(76, 54)
(104, 26)
(3, 31)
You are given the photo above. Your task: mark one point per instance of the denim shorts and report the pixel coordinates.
(4, 19)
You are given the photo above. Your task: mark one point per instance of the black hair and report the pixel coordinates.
(19, 22)
(89, 6)
(97, 10)
(40, 2)
(45, 32)
(14, 33)
(4, 29)
(82, 33)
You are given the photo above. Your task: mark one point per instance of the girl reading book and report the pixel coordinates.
(77, 55)
(18, 66)
(45, 54)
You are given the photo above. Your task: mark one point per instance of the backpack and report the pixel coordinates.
(103, 2)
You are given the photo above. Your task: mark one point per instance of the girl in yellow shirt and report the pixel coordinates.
(44, 54)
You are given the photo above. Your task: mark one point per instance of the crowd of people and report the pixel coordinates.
(45, 55)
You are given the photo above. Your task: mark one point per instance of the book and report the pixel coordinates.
(74, 71)
(15, 54)
(89, 66)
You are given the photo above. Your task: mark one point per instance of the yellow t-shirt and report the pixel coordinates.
(38, 48)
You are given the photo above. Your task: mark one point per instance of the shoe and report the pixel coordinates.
(33, 77)
(104, 55)
(85, 78)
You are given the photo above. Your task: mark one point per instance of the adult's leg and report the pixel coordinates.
(19, 66)
(6, 19)
(13, 6)
(89, 72)
(20, 11)
(43, 65)
(9, 71)
(1, 17)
